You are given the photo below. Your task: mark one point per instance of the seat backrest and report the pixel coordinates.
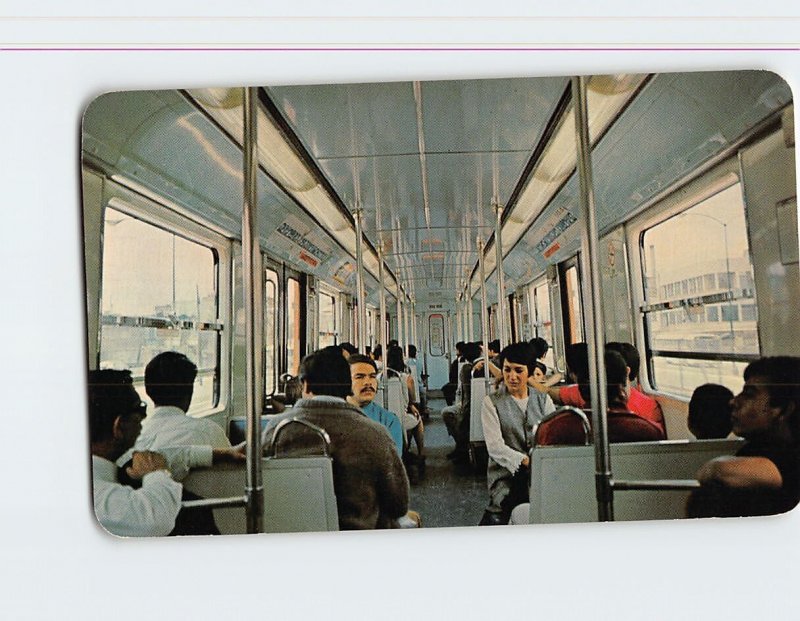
(566, 429)
(563, 429)
(562, 478)
(298, 494)
(396, 401)
(478, 389)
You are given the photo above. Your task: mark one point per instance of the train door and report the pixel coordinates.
(294, 320)
(436, 361)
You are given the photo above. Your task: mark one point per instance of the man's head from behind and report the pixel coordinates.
(710, 412)
(169, 379)
(325, 372)
(115, 411)
(364, 377)
(631, 355)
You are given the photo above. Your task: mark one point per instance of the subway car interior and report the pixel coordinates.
(249, 227)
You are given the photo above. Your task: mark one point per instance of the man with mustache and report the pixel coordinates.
(364, 375)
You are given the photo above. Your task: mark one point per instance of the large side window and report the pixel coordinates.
(700, 311)
(270, 329)
(160, 293)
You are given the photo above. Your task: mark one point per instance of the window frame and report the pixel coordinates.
(720, 178)
(162, 217)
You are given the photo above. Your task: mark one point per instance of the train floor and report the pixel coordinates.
(449, 494)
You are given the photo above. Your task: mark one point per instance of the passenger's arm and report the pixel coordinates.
(498, 450)
(149, 511)
(741, 473)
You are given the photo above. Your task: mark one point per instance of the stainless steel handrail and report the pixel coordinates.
(273, 445)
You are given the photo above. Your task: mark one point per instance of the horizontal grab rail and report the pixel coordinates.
(215, 503)
(658, 485)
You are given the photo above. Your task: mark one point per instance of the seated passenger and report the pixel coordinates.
(508, 418)
(409, 414)
(364, 376)
(169, 382)
(764, 476)
(420, 398)
(368, 477)
(577, 395)
(456, 416)
(710, 412)
(638, 402)
(115, 414)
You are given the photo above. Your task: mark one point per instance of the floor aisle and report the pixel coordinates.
(449, 495)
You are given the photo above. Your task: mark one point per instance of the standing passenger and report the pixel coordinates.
(368, 477)
(508, 417)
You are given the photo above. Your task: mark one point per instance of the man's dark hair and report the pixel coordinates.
(616, 378)
(394, 358)
(710, 412)
(494, 345)
(412, 351)
(782, 375)
(518, 353)
(540, 347)
(631, 356)
(470, 351)
(392, 343)
(577, 355)
(460, 347)
(111, 394)
(362, 359)
(169, 379)
(349, 348)
(377, 351)
(541, 366)
(326, 372)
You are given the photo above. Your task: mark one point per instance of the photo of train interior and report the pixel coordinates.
(448, 303)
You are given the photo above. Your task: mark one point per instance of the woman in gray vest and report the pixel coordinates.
(508, 417)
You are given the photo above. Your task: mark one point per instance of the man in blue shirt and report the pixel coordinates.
(364, 376)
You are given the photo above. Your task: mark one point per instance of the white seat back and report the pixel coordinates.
(298, 494)
(478, 392)
(562, 479)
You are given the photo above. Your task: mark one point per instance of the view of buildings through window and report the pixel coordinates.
(159, 294)
(700, 295)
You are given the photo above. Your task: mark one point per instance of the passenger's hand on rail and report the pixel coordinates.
(478, 365)
(145, 462)
(234, 455)
(526, 461)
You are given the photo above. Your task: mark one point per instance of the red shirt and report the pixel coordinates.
(638, 403)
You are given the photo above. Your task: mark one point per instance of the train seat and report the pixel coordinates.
(562, 479)
(478, 390)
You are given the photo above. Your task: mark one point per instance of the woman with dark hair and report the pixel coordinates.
(410, 417)
(508, 418)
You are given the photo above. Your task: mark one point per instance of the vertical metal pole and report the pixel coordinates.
(458, 320)
(501, 279)
(253, 312)
(596, 342)
(470, 318)
(362, 298)
(382, 336)
(414, 339)
(398, 324)
(484, 319)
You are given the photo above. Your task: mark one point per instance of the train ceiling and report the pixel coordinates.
(426, 163)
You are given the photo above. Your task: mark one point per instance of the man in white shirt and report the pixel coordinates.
(169, 382)
(116, 413)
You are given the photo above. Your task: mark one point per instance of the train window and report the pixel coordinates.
(539, 302)
(700, 309)
(574, 310)
(293, 325)
(160, 293)
(270, 332)
(327, 320)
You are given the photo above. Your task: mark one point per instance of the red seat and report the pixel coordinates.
(566, 429)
